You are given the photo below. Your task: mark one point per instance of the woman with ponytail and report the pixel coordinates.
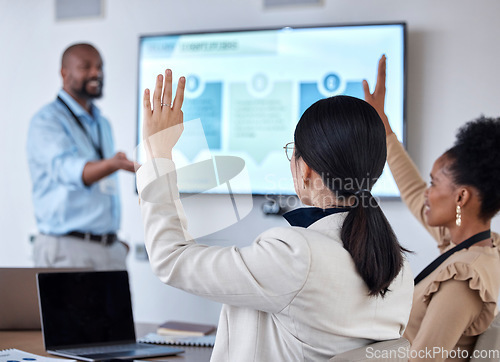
(339, 141)
(335, 280)
(455, 297)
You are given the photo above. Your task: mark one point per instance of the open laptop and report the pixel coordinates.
(88, 316)
(19, 301)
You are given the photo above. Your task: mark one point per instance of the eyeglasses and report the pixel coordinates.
(289, 147)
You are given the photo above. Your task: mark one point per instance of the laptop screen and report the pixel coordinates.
(85, 308)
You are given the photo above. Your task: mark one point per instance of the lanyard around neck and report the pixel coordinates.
(440, 259)
(97, 147)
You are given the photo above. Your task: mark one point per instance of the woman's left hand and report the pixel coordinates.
(163, 125)
(377, 98)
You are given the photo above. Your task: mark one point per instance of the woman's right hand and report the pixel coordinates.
(163, 125)
(377, 98)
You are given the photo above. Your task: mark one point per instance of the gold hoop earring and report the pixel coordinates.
(458, 220)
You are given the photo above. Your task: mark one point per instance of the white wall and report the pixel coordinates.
(453, 76)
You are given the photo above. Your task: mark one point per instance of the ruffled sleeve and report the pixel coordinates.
(482, 276)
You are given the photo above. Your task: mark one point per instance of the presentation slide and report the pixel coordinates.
(246, 90)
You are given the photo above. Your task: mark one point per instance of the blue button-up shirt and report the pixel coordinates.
(58, 150)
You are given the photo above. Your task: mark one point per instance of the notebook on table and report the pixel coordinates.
(88, 316)
(195, 341)
(19, 301)
(185, 329)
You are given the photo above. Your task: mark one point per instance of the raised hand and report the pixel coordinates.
(163, 125)
(377, 98)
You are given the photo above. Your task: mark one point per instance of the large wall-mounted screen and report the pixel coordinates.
(246, 90)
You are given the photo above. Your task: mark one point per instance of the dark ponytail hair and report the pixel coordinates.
(343, 139)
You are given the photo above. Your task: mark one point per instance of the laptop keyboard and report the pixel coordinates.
(105, 349)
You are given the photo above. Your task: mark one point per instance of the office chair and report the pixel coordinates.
(487, 348)
(393, 350)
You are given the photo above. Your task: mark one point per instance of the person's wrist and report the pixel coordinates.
(158, 147)
(387, 125)
(111, 165)
(159, 154)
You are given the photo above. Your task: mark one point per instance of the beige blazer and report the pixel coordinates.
(291, 295)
